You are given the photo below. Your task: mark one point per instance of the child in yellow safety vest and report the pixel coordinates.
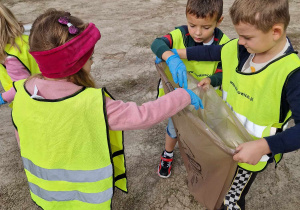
(261, 74)
(203, 19)
(15, 61)
(70, 132)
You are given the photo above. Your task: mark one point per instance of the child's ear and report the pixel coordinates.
(220, 21)
(278, 31)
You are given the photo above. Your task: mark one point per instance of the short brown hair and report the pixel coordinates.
(263, 14)
(47, 33)
(205, 8)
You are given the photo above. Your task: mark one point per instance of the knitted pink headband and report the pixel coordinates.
(70, 57)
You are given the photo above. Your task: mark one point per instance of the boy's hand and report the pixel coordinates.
(251, 152)
(158, 60)
(205, 83)
(195, 100)
(178, 70)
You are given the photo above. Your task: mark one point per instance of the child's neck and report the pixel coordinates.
(271, 53)
(54, 79)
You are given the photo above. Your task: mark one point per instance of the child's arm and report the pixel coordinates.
(286, 141)
(289, 140)
(201, 53)
(15, 69)
(204, 53)
(130, 116)
(9, 95)
(251, 152)
(161, 47)
(209, 53)
(2, 101)
(166, 55)
(181, 53)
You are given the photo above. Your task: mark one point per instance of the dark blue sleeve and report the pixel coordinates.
(204, 53)
(289, 140)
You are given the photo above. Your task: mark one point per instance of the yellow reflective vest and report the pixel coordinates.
(255, 98)
(71, 158)
(24, 57)
(198, 69)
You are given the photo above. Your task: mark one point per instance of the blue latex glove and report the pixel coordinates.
(195, 100)
(178, 70)
(1, 100)
(174, 51)
(158, 60)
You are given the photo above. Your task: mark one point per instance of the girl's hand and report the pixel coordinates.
(205, 83)
(251, 152)
(195, 100)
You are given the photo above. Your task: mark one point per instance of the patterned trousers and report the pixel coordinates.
(235, 198)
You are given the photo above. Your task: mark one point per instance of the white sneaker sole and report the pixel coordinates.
(162, 175)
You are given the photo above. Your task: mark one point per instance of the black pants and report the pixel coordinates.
(235, 198)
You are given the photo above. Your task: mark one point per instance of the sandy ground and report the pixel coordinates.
(125, 66)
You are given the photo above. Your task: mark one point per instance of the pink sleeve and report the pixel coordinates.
(130, 116)
(9, 95)
(17, 137)
(15, 69)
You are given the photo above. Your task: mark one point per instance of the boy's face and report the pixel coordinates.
(202, 29)
(253, 39)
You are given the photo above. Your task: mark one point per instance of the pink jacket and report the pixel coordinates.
(120, 115)
(15, 69)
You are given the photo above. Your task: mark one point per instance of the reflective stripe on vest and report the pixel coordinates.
(255, 98)
(24, 57)
(72, 161)
(93, 198)
(68, 175)
(197, 69)
(251, 127)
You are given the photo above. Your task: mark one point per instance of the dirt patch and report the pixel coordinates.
(124, 64)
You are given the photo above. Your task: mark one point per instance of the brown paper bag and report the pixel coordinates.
(207, 141)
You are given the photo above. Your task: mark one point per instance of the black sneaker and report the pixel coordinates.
(164, 168)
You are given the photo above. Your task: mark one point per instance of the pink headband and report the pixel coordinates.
(70, 57)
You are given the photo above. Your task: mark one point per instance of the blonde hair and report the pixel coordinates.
(263, 14)
(47, 33)
(10, 29)
(205, 8)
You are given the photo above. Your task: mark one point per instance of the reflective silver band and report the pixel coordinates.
(252, 128)
(93, 198)
(68, 175)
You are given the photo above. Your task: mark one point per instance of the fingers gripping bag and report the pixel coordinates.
(207, 139)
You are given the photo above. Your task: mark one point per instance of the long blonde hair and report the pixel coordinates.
(10, 29)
